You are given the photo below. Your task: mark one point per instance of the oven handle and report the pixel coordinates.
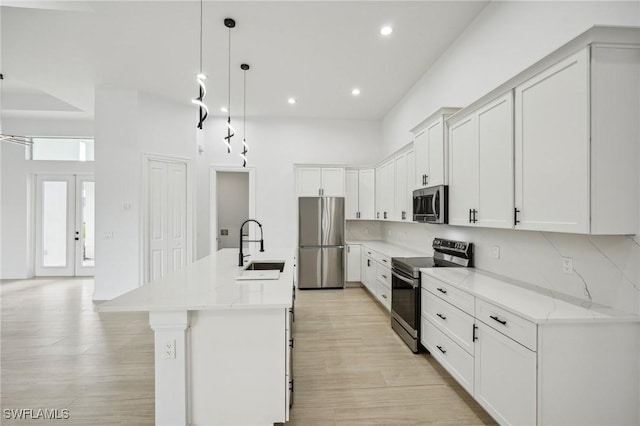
(412, 283)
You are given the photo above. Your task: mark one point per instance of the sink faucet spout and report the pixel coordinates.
(241, 256)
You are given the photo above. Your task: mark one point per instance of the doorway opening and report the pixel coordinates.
(233, 207)
(65, 225)
(232, 202)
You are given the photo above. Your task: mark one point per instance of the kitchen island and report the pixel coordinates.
(222, 346)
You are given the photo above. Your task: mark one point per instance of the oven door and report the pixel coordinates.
(405, 301)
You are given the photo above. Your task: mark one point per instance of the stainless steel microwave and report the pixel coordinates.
(430, 204)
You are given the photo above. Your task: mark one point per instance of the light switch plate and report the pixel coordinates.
(495, 252)
(567, 265)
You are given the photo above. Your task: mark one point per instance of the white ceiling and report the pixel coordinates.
(55, 53)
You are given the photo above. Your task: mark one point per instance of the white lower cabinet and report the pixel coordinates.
(452, 357)
(353, 263)
(504, 377)
(575, 371)
(376, 275)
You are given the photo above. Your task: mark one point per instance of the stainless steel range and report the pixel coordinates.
(405, 285)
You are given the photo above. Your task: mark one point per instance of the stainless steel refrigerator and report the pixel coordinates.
(321, 242)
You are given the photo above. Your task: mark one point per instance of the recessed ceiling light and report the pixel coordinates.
(355, 92)
(292, 101)
(386, 30)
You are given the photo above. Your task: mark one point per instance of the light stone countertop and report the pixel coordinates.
(390, 250)
(527, 301)
(210, 283)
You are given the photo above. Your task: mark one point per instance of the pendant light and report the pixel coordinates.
(245, 147)
(202, 89)
(229, 23)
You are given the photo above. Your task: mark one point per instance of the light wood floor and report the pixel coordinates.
(350, 368)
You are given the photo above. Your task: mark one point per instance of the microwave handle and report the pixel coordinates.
(434, 202)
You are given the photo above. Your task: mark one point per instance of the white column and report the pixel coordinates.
(170, 330)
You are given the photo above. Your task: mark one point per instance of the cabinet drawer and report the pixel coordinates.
(452, 357)
(382, 259)
(383, 274)
(457, 298)
(384, 295)
(453, 322)
(507, 323)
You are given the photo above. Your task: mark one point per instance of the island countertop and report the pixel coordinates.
(210, 283)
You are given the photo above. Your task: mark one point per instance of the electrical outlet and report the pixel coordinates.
(495, 251)
(169, 349)
(108, 235)
(567, 265)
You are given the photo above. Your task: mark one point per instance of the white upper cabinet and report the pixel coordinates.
(576, 143)
(333, 182)
(552, 148)
(430, 145)
(360, 197)
(404, 175)
(321, 181)
(463, 170)
(400, 208)
(481, 166)
(351, 194)
(366, 194)
(564, 157)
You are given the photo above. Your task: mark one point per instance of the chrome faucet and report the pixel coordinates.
(261, 240)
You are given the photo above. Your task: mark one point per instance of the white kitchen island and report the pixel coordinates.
(222, 347)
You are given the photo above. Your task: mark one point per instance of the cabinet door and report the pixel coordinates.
(399, 193)
(388, 198)
(552, 148)
(421, 161)
(353, 262)
(495, 147)
(366, 194)
(409, 189)
(333, 182)
(309, 181)
(463, 171)
(504, 377)
(380, 171)
(435, 156)
(369, 278)
(351, 194)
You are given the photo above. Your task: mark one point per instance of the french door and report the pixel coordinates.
(65, 225)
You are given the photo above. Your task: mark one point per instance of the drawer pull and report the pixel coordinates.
(495, 318)
(384, 260)
(384, 295)
(291, 343)
(384, 276)
(441, 290)
(475, 327)
(441, 350)
(442, 316)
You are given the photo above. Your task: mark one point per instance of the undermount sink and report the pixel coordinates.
(265, 266)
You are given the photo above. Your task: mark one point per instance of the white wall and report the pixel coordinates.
(129, 124)
(17, 203)
(275, 145)
(233, 206)
(504, 39)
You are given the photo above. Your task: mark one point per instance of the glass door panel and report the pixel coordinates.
(85, 225)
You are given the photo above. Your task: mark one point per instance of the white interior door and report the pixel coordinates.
(65, 225)
(85, 230)
(167, 218)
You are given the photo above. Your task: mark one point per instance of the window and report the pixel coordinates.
(62, 149)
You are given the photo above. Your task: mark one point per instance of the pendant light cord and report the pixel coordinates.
(229, 77)
(244, 107)
(201, 36)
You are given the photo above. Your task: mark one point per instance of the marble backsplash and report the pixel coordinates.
(606, 269)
